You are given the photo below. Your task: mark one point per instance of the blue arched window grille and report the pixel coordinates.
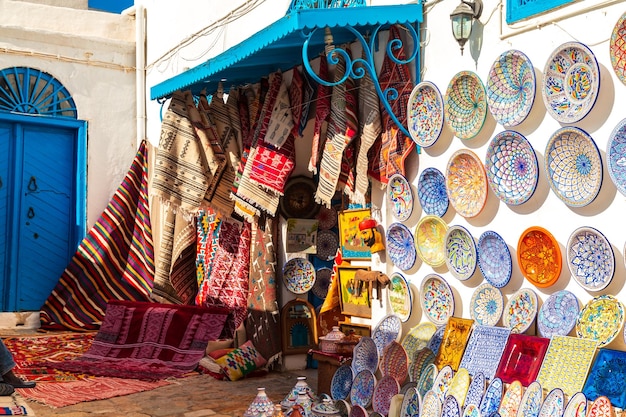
(31, 91)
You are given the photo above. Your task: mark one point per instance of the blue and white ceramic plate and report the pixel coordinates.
(531, 401)
(451, 407)
(486, 305)
(388, 329)
(365, 355)
(494, 259)
(431, 192)
(401, 246)
(616, 156)
(461, 252)
(558, 314)
(590, 258)
(553, 405)
(411, 404)
(484, 350)
(341, 384)
(436, 339)
(476, 390)
(491, 400)
(362, 389)
(437, 299)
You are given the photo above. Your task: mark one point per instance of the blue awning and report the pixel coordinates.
(279, 46)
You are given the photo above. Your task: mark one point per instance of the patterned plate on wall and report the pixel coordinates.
(401, 246)
(341, 384)
(421, 359)
(437, 299)
(362, 389)
(492, 398)
(558, 314)
(323, 276)
(616, 156)
(450, 407)
(554, 404)
(327, 245)
(417, 338)
(455, 338)
(388, 329)
(425, 114)
(365, 355)
(571, 82)
(466, 183)
(431, 192)
(511, 400)
(431, 405)
(494, 259)
(576, 406)
(511, 88)
(400, 197)
(486, 305)
(617, 48)
(442, 382)
(573, 166)
(601, 407)
(600, 319)
(512, 167)
(465, 104)
(476, 390)
(385, 389)
(539, 256)
(461, 252)
(399, 296)
(520, 310)
(590, 258)
(298, 275)
(411, 403)
(607, 376)
(427, 379)
(435, 341)
(394, 362)
(460, 385)
(430, 234)
(531, 401)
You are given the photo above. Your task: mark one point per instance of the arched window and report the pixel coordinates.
(31, 91)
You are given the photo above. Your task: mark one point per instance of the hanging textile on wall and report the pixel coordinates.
(208, 223)
(347, 176)
(296, 92)
(322, 112)
(114, 261)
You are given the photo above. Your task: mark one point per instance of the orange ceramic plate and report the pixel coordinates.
(539, 257)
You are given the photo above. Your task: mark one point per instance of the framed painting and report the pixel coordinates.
(359, 329)
(354, 295)
(302, 235)
(353, 244)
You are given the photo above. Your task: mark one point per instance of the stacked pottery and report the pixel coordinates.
(261, 406)
(325, 408)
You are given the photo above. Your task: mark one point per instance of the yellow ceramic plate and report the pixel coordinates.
(466, 183)
(430, 240)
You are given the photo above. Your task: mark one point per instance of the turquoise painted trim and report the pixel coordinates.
(278, 46)
(517, 10)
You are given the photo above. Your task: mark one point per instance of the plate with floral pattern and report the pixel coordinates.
(539, 256)
(385, 389)
(399, 296)
(431, 192)
(601, 407)
(400, 197)
(430, 234)
(459, 385)
(465, 105)
(616, 156)
(520, 311)
(558, 314)
(417, 338)
(431, 405)
(492, 398)
(531, 401)
(298, 275)
(466, 183)
(553, 405)
(425, 114)
(590, 258)
(450, 407)
(601, 319)
(486, 305)
(437, 299)
(427, 379)
(365, 355)
(576, 406)
(435, 341)
(362, 389)
(442, 382)
(476, 390)
(461, 252)
(494, 259)
(411, 403)
(341, 384)
(617, 48)
(388, 329)
(401, 246)
(511, 400)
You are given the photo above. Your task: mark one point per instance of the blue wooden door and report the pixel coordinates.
(41, 159)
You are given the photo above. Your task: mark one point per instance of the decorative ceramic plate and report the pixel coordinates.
(492, 398)
(466, 183)
(511, 400)
(430, 234)
(484, 350)
(539, 256)
(417, 338)
(566, 363)
(421, 359)
(600, 319)
(558, 314)
(476, 390)
(512, 167)
(571, 82)
(590, 258)
(399, 296)
(323, 276)
(573, 166)
(385, 389)
(431, 405)
(437, 299)
(401, 246)
(425, 114)
(531, 401)
(486, 305)
(406, 386)
(450, 407)
(358, 411)
(471, 410)
(520, 311)
(411, 404)
(435, 341)
(511, 88)
(341, 384)
(616, 156)
(461, 252)
(427, 379)
(465, 104)
(553, 405)
(454, 342)
(327, 218)
(522, 358)
(601, 407)
(388, 329)
(343, 407)
(494, 259)
(576, 406)
(394, 362)
(362, 389)
(400, 197)
(617, 48)
(431, 192)
(365, 355)
(459, 385)
(327, 245)
(299, 275)
(442, 382)
(607, 376)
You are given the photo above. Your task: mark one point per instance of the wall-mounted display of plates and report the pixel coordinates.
(425, 114)
(465, 104)
(539, 256)
(590, 258)
(461, 252)
(430, 234)
(431, 192)
(494, 259)
(466, 183)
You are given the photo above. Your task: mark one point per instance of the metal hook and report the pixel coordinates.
(31, 213)
(32, 184)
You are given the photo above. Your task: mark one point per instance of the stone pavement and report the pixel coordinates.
(193, 396)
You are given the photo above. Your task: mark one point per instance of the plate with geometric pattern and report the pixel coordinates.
(461, 252)
(425, 114)
(465, 104)
(494, 259)
(616, 156)
(590, 258)
(466, 183)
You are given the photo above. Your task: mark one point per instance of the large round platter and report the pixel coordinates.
(385, 389)
(616, 156)
(511, 88)
(465, 104)
(411, 404)
(425, 114)
(553, 405)
(571, 82)
(531, 401)
(431, 192)
(494, 259)
(466, 183)
(486, 305)
(558, 314)
(437, 299)
(399, 296)
(539, 256)
(617, 48)
(417, 338)
(430, 234)
(362, 389)
(512, 167)
(576, 406)
(600, 319)
(401, 246)
(573, 166)
(400, 197)
(341, 384)
(461, 252)
(298, 275)
(590, 258)
(365, 355)
(388, 329)
(394, 362)
(520, 310)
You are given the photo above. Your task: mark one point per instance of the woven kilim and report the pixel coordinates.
(114, 261)
(322, 112)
